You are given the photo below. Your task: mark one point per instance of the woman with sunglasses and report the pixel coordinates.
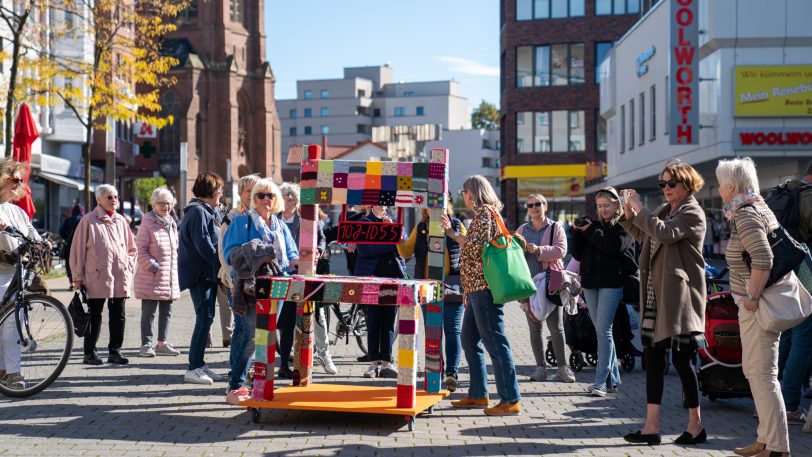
(261, 223)
(546, 246)
(672, 293)
(606, 254)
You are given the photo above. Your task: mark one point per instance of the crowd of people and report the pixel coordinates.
(655, 255)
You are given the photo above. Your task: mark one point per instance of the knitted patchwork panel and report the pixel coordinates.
(332, 292)
(355, 197)
(307, 196)
(387, 198)
(373, 181)
(389, 168)
(389, 182)
(340, 180)
(356, 181)
(404, 168)
(404, 183)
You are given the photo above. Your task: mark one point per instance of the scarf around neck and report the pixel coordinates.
(738, 201)
(270, 235)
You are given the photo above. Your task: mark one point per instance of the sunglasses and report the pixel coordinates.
(16, 181)
(534, 205)
(112, 197)
(672, 183)
(263, 195)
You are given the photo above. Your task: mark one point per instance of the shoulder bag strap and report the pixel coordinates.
(502, 229)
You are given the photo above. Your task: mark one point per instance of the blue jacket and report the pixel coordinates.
(197, 246)
(375, 259)
(241, 231)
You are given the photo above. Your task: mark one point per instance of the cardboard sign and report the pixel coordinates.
(365, 232)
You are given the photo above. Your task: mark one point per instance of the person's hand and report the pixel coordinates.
(276, 270)
(531, 248)
(386, 219)
(325, 254)
(294, 264)
(632, 199)
(350, 248)
(3, 225)
(583, 227)
(77, 285)
(445, 222)
(750, 305)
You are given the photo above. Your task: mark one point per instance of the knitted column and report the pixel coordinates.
(407, 356)
(303, 349)
(265, 352)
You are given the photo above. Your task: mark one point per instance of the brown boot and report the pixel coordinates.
(750, 450)
(468, 402)
(504, 409)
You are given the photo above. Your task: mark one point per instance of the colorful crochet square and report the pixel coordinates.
(295, 291)
(261, 337)
(262, 321)
(261, 370)
(374, 167)
(404, 168)
(420, 170)
(406, 358)
(324, 195)
(387, 198)
(307, 196)
(326, 167)
(370, 197)
(406, 295)
(436, 185)
(314, 291)
(420, 184)
(389, 168)
(389, 182)
(308, 213)
(351, 293)
(339, 196)
(309, 178)
(406, 395)
(404, 183)
(355, 197)
(310, 166)
(404, 198)
(357, 166)
(408, 342)
(261, 354)
(341, 166)
(436, 170)
(325, 179)
(264, 305)
(407, 327)
(420, 198)
(340, 180)
(332, 292)
(356, 181)
(373, 182)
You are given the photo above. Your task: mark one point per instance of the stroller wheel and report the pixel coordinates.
(576, 361)
(591, 359)
(627, 362)
(549, 355)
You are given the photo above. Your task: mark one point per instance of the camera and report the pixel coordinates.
(582, 221)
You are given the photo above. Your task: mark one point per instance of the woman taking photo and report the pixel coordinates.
(603, 248)
(751, 220)
(673, 293)
(546, 246)
(483, 326)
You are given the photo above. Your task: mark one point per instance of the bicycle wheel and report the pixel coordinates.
(49, 346)
(358, 324)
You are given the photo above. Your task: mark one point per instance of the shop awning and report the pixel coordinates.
(63, 180)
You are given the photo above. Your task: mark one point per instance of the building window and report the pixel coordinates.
(631, 124)
(325, 112)
(293, 114)
(545, 9)
(325, 93)
(622, 129)
(550, 131)
(608, 7)
(601, 51)
(361, 128)
(400, 111)
(325, 129)
(642, 118)
(559, 65)
(420, 111)
(308, 95)
(600, 132)
(576, 64)
(524, 66)
(308, 130)
(293, 131)
(308, 112)
(236, 11)
(362, 93)
(652, 101)
(408, 93)
(376, 112)
(190, 12)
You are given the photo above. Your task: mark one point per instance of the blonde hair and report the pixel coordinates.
(8, 167)
(611, 194)
(481, 192)
(267, 186)
(741, 172)
(248, 180)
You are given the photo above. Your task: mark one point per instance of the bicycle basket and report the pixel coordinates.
(80, 316)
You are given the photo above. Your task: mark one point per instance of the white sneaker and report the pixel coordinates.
(597, 391)
(372, 371)
(565, 374)
(147, 351)
(326, 362)
(214, 376)
(166, 349)
(539, 375)
(197, 376)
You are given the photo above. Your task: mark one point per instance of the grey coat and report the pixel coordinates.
(246, 260)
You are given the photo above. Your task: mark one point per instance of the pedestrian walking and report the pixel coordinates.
(673, 293)
(198, 265)
(606, 255)
(66, 233)
(545, 248)
(102, 259)
(483, 325)
(156, 275)
(12, 188)
(751, 221)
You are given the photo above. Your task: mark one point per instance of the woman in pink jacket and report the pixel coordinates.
(102, 258)
(156, 274)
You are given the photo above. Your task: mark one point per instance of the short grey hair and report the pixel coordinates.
(288, 188)
(481, 192)
(104, 189)
(248, 180)
(538, 197)
(157, 193)
(740, 172)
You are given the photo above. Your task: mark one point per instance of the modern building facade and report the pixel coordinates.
(755, 93)
(550, 127)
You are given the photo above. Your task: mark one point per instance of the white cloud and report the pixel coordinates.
(468, 66)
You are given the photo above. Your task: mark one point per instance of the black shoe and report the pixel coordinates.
(639, 438)
(687, 438)
(363, 358)
(117, 358)
(92, 359)
(284, 373)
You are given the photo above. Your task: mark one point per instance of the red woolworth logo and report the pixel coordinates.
(775, 138)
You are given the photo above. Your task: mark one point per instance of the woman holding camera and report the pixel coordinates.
(603, 248)
(546, 246)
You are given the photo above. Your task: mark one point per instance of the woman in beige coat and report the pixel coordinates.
(102, 258)
(672, 292)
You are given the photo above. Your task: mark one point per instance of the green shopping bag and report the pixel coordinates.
(505, 268)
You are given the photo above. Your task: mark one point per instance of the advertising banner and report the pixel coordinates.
(769, 91)
(759, 139)
(683, 71)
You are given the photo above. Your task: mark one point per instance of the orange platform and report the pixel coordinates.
(345, 398)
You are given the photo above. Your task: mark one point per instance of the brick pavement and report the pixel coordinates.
(144, 409)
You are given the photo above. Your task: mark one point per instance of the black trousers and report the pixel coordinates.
(286, 324)
(657, 361)
(381, 331)
(115, 308)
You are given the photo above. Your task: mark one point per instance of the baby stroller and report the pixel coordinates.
(720, 364)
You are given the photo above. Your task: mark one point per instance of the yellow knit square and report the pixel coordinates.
(374, 167)
(261, 337)
(406, 358)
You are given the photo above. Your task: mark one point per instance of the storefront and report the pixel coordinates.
(562, 186)
(56, 187)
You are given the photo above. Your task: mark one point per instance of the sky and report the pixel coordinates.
(423, 40)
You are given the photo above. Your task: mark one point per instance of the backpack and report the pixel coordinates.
(785, 205)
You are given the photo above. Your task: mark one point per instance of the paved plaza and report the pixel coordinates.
(145, 409)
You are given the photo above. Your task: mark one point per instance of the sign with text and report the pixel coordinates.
(358, 232)
(778, 90)
(797, 138)
(683, 71)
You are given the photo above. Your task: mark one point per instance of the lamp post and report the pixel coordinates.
(184, 165)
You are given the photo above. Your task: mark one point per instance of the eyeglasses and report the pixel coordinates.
(16, 181)
(534, 205)
(263, 195)
(163, 203)
(112, 197)
(672, 183)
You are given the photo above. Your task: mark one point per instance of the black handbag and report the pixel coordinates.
(78, 314)
(787, 253)
(555, 299)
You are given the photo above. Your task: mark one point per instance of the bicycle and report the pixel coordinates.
(43, 326)
(350, 322)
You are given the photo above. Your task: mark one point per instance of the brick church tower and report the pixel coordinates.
(223, 103)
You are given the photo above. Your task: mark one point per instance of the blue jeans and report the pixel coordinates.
(602, 304)
(242, 346)
(452, 326)
(484, 325)
(204, 298)
(793, 354)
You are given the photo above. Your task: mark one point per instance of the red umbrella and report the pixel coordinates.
(25, 133)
